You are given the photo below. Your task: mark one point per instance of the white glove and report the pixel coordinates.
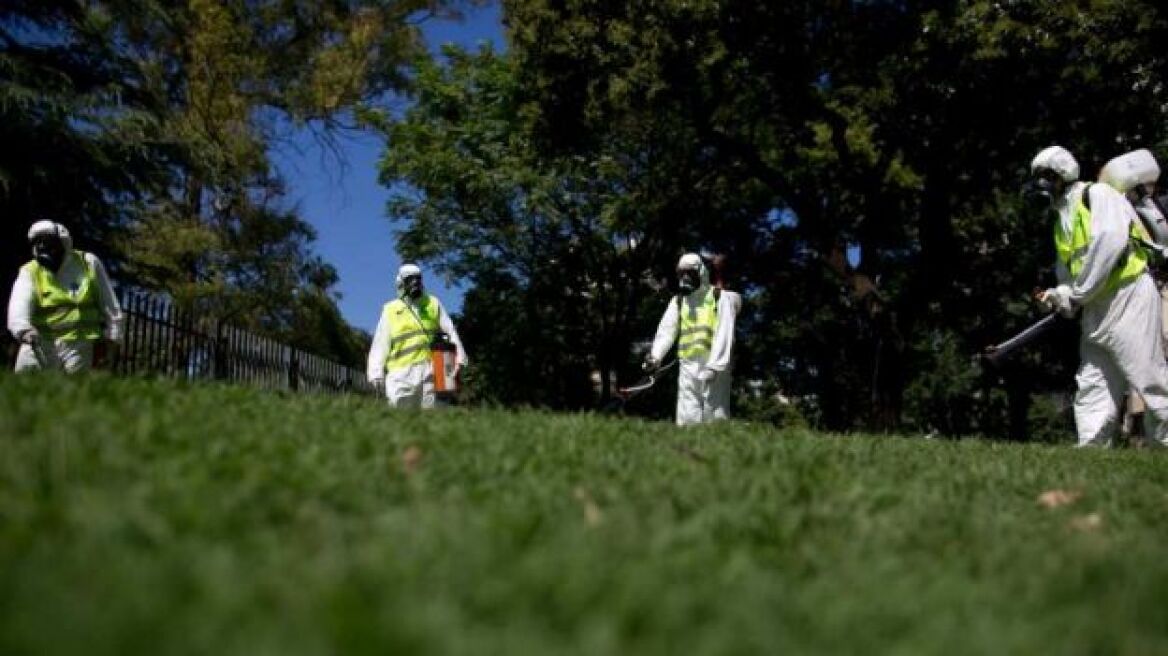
(30, 337)
(1057, 299)
(706, 374)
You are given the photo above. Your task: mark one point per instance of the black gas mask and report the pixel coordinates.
(1041, 191)
(688, 280)
(48, 251)
(412, 286)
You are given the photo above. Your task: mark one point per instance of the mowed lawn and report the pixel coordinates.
(142, 517)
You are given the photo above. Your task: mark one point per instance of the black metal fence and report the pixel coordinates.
(160, 340)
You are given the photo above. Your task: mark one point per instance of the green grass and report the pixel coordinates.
(146, 517)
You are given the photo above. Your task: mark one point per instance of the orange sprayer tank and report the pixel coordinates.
(444, 358)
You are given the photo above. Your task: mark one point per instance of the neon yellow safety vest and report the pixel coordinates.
(64, 314)
(695, 334)
(410, 331)
(1072, 248)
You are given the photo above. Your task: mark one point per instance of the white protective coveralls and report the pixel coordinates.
(1120, 342)
(68, 356)
(703, 383)
(1164, 318)
(411, 386)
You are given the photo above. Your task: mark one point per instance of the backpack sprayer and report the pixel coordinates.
(1136, 173)
(444, 362)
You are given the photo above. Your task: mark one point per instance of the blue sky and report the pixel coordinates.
(347, 205)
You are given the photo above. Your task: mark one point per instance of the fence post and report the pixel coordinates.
(293, 370)
(219, 348)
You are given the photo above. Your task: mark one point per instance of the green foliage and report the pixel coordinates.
(81, 127)
(766, 404)
(943, 395)
(144, 518)
(1051, 419)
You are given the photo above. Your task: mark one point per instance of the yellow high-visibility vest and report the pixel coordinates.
(66, 314)
(411, 331)
(695, 335)
(1072, 248)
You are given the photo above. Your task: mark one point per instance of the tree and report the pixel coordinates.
(80, 125)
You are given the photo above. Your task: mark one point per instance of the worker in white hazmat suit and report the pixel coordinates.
(730, 304)
(1103, 276)
(1135, 174)
(409, 329)
(700, 319)
(62, 304)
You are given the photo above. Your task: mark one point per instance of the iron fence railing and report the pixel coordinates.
(159, 339)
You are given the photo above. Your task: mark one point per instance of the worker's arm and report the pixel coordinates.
(720, 351)
(447, 326)
(378, 351)
(1111, 217)
(21, 304)
(114, 319)
(666, 332)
